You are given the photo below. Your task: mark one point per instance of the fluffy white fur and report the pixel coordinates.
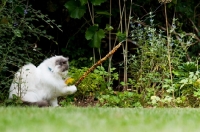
(43, 83)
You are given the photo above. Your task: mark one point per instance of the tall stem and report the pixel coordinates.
(92, 19)
(110, 58)
(168, 47)
(125, 50)
(127, 23)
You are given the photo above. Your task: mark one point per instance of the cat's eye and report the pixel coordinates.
(64, 62)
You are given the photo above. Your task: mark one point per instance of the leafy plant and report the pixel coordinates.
(124, 99)
(150, 68)
(94, 83)
(78, 8)
(187, 83)
(15, 101)
(95, 35)
(66, 101)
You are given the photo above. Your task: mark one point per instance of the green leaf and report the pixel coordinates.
(96, 42)
(97, 2)
(90, 32)
(121, 36)
(44, 31)
(130, 94)
(71, 5)
(101, 33)
(83, 2)
(108, 27)
(17, 33)
(78, 13)
(75, 8)
(95, 36)
(19, 10)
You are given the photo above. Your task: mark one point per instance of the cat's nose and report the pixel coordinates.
(66, 68)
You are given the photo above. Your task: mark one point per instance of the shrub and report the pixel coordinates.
(91, 87)
(94, 83)
(124, 99)
(157, 59)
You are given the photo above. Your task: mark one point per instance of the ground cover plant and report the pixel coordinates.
(76, 119)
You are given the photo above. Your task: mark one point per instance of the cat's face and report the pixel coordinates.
(62, 64)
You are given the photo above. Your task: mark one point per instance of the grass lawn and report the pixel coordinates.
(75, 119)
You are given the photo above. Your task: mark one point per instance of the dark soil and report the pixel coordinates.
(89, 101)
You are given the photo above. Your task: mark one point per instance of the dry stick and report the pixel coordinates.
(168, 47)
(98, 63)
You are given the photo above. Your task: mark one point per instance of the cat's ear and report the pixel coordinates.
(67, 58)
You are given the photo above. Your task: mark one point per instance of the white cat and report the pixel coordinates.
(42, 85)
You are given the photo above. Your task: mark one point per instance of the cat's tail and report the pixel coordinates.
(38, 104)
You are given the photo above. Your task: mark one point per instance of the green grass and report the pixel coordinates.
(73, 119)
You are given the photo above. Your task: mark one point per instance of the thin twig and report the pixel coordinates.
(125, 49)
(195, 27)
(92, 18)
(98, 63)
(76, 33)
(168, 46)
(110, 58)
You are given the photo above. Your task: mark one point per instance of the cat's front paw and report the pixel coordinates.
(71, 89)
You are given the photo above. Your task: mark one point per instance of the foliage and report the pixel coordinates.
(150, 67)
(95, 35)
(187, 84)
(125, 99)
(19, 35)
(15, 101)
(66, 101)
(77, 9)
(94, 83)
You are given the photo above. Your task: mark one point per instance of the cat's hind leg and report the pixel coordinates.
(31, 99)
